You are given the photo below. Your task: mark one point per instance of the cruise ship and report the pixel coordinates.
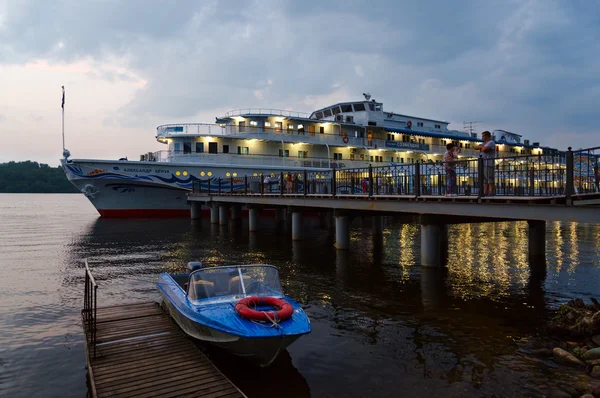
(248, 142)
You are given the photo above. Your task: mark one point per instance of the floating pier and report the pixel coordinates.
(135, 350)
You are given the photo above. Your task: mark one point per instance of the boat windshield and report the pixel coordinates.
(250, 280)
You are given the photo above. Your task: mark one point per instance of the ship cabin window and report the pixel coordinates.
(401, 160)
(421, 140)
(319, 115)
(359, 107)
(371, 106)
(267, 125)
(419, 124)
(300, 129)
(199, 147)
(337, 156)
(290, 128)
(242, 150)
(212, 147)
(336, 110)
(278, 126)
(405, 138)
(284, 153)
(347, 108)
(390, 137)
(253, 123)
(437, 126)
(303, 154)
(468, 146)
(187, 147)
(225, 148)
(378, 109)
(327, 112)
(460, 145)
(242, 126)
(177, 147)
(311, 129)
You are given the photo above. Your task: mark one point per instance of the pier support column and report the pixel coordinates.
(377, 225)
(537, 245)
(253, 219)
(434, 242)
(280, 214)
(223, 213)
(297, 225)
(214, 213)
(236, 213)
(342, 232)
(195, 210)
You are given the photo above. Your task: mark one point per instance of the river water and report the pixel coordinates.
(381, 325)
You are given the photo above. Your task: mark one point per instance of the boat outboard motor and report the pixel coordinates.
(194, 265)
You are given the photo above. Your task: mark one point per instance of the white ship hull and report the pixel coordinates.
(149, 189)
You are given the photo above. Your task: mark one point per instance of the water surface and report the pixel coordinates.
(381, 325)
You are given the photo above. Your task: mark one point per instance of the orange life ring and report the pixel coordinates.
(409, 124)
(345, 139)
(285, 309)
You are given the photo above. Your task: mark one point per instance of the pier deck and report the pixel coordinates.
(140, 352)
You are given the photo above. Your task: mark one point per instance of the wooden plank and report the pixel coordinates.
(144, 354)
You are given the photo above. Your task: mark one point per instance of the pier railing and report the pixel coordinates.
(529, 175)
(89, 312)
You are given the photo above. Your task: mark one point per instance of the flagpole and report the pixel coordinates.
(63, 117)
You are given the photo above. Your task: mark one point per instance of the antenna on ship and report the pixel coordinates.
(470, 126)
(367, 96)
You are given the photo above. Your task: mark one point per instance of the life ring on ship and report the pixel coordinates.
(345, 139)
(409, 124)
(284, 309)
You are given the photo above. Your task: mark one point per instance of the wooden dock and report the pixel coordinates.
(140, 352)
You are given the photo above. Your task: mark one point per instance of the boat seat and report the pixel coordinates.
(201, 289)
(234, 284)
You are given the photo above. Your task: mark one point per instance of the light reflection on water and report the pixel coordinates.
(376, 314)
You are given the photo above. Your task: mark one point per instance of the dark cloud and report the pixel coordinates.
(527, 66)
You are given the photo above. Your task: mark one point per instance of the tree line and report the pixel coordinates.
(33, 177)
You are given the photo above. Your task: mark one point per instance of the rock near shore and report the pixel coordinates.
(565, 357)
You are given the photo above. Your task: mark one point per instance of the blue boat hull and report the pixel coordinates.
(227, 330)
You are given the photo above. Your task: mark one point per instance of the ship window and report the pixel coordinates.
(225, 148)
(322, 130)
(242, 126)
(337, 156)
(278, 126)
(253, 123)
(300, 128)
(311, 129)
(177, 147)
(378, 109)
(371, 106)
(359, 107)
(336, 110)
(319, 115)
(212, 147)
(437, 126)
(267, 124)
(199, 147)
(239, 150)
(290, 128)
(187, 147)
(284, 153)
(303, 154)
(419, 124)
(327, 112)
(347, 108)
(245, 150)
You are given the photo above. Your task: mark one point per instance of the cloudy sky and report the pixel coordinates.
(532, 67)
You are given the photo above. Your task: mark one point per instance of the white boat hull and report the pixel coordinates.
(149, 189)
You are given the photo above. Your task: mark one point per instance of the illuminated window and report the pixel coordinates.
(185, 173)
(177, 173)
(253, 123)
(210, 173)
(235, 174)
(267, 124)
(202, 173)
(228, 174)
(255, 174)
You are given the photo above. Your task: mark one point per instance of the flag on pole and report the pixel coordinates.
(63, 98)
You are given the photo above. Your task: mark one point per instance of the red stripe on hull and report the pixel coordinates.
(144, 213)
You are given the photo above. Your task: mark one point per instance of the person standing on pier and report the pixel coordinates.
(450, 165)
(488, 153)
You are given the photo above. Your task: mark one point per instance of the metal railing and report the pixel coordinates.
(89, 311)
(529, 175)
(266, 111)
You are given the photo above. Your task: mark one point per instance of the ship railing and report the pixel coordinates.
(90, 307)
(167, 130)
(266, 111)
(529, 175)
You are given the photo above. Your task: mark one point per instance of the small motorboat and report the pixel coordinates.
(240, 308)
